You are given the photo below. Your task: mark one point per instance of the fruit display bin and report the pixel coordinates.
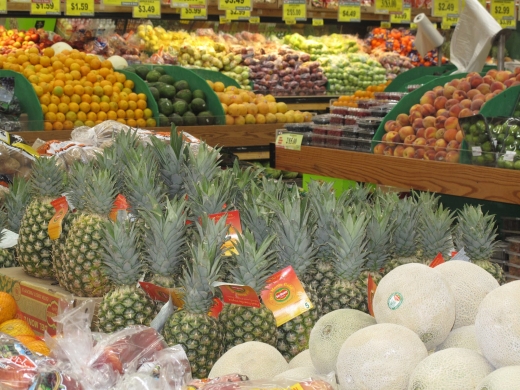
(142, 87)
(400, 83)
(215, 76)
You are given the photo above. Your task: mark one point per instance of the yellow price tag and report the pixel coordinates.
(241, 5)
(79, 8)
(121, 3)
(254, 19)
(403, 18)
(49, 8)
(223, 20)
(289, 141)
(237, 15)
(194, 13)
(448, 21)
(389, 6)
(188, 4)
(413, 26)
(503, 11)
(507, 23)
(295, 11)
(442, 8)
(3, 6)
(349, 12)
(147, 9)
(386, 24)
(317, 22)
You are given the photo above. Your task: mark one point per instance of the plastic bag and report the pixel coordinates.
(237, 382)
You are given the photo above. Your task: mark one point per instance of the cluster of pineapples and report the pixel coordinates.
(165, 236)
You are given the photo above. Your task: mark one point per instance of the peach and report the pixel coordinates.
(440, 144)
(450, 135)
(429, 121)
(389, 151)
(475, 80)
(409, 152)
(419, 142)
(420, 133)
(430, 143)
(392, 126)
(471, 74)
(464, 86)
(459, 137)
(517, 71)
(497, 86)
(429, 155)
(488, 80)
(465, 112)
(452, 145)
(449, 91)
(379, 148)
(442, 113)
(450, 103)
(515, 83)
(410, 139)
(440, 133)
(415, 115)
(430, 132)
(452, 156)
(428, 98)
(454, 82)
(472, 92)
(509, 82)
(502, 75)
(492, 73)
(439, 90)
(451, 123)
(466, 103)
(439, 122)
(402, 119)
(398, 151)
(383, 138)
(417, 123)
(459, 95)
(405, 132)
(476, 104)
(518, 76)
(392, 137)
(484, 88)
(455, 110)
(479, 97)
(440, 102)
(416, 108)
(440, 155)
(428, 109)
(419, 154)
(489, 96)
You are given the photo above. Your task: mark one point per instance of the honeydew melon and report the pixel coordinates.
(469, 284)
(58, 47)
(505, 378)
(378, 357)
(303, 359)
(297, 374)
(118, 62)
(450, 369)
(416, 296)
(329, 334)
(463, 337)
(255, 359)
(498, 325)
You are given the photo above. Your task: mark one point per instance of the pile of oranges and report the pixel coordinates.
(19, 328)
(351, 100)
(77, 89)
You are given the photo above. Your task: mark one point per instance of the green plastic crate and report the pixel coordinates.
(503, 104)
(340, 185)
(216, 76)
(411, 76)
(141, 87)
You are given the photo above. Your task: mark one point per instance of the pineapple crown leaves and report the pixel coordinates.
(76, 186)
(142, 189)
(3, 224)
(100, 192)
(275, 188)
(121, 255)
(349, 243)
(476, 232)
(253, 264)
(426, 200)
(108, 160)
(435, 232)
(47, 178)
(356, 195)
(254, 214)
(203, 163)
(170, 160)
(404, 239)
(16, 201)
(212, 235)
(244, 179)
(165, 237)
(380, 229)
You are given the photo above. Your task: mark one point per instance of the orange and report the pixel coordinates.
(47, 126)
(58, 91)
(218, 86)
(63, 108)
(121, 120)
(86, 98)
(79, 90)
(105, 98)
(121, 114)
(108, 90)
(123, 104)
(38, 346)
(132, 105)
(74, 107)
(91, 116)
(104, 72)
(45, 61)
(55, 99)
(85, 70)
(95, 99)
(102, 116)
(119, 86)
(133, 97)
(45, 99)
(85, 107)
(94, 107)
(57, 125)
(76, 75)
(141, 104)
(74, 66)
(112, 115)
(95, 63)
(121, 78)
(106, 64)
(98, 91)
(131, 122)
(150, 122)
(16, 328)
(82, 116)
(113, 106)
(78, 123)
(49, 52)
(8, 307)
(148, 113)
(45, 110)
(138, 113)
(141, 96)
(92, 77)
(65, 99)
(114, 97)
(104, 82)
(130, 114)
(60, 117)
(98, 122)
(26, 338)
(104, 106)
(111, 78)
(90, 123)
(71, 116)
(53, 108)
(68, 125)
(141, 123)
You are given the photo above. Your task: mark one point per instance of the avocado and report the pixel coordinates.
(142, 71)
(155, 93)
(167, 91)
(167, 79)
(205, 118)
(176, 119)
(153, 76)
(163, 121)
(180, 107)
(165, 107)
(189, 119)
(184, 94)
(181, 84)
(130, 69)
(159, 70)
(199, 94)
(198, 105)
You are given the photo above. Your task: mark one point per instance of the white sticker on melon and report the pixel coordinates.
(450, 369)
(469, 284)
(416, 296)
(378, 357)
(329, 334)
(463, 337)
(498, 325)
(505, 378)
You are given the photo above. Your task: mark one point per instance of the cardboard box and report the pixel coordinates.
(39, 300)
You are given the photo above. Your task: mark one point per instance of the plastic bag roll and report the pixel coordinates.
(428, 38)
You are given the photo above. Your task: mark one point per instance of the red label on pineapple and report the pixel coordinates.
(235, 227)
(437, 261)
(370, 293)
(120, 204)
(162, 294)
(54, 228)
(238, 294)
(216, 308)
(285, 297)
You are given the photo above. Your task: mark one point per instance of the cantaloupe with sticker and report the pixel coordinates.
(498, 325)
(379, 357)
(463, 337)
(450, 369)
(469, 284)
(505, 378)
(416, 296)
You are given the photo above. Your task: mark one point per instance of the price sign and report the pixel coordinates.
(349, 12)
(403, 18)
(194, 13)
(147, 9)
(238, 15)
(317, 22)
(450, 21)
(121, 3)
(223, 20)
(79, 8)
(289, 141)
(3, 6)
(413, 26)
(442, 8)
(188, 4)
(386, 25)
(51, 7)
(240, 5)
(507, 23)
(294, 10)
(504, 13)
(389, 6)
(254, 19)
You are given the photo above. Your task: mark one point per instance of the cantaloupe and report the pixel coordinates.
(450, 369)
(463, 337)
(58, 47)
(297, 374)
(329, 334)
(469, 284)
(498, 325)
(378, 357)
(416, 296)
(255, 359)
(505, 378)
(303, 359)
(118, 62)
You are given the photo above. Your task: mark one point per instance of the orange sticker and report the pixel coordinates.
(62, 207)
(437, 261)
(235, 227)
(372, 286)
(238, 294)
(162, 294)
(120, 204)
(216, 308)
(285, 297)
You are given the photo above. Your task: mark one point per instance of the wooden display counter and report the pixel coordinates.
(491, 184)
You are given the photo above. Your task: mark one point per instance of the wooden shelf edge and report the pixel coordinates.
(491, 184)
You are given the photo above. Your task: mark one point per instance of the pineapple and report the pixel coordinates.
(200, 334)
(126, 304)
(84, 252)
(254, 215)
(34, 245)
(165, 241)
(7, 258)
(211, 197)
(476, 233)
(199, 165)
(434, 233)
(254, 264)
(347, 289)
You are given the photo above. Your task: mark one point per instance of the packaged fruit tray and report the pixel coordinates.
(479, 140)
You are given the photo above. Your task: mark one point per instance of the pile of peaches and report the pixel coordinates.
(431, 129)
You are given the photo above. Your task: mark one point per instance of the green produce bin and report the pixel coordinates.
(503, 104)
(142, 87)
(216, 76)
(48, 24)
(340, 185)
(412, 76)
